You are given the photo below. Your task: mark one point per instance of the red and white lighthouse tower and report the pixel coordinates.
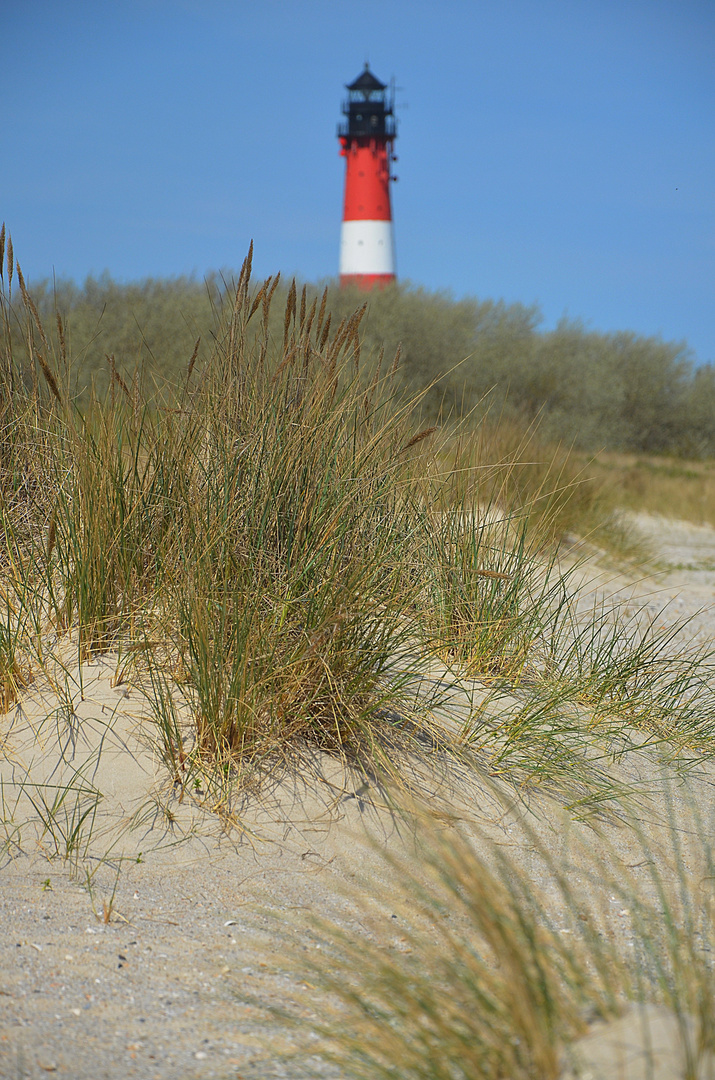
(367, 251)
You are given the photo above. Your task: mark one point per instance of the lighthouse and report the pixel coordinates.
(367, 251)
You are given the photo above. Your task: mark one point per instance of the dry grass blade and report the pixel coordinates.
(321, 312)
(310, 317)
(419, 437)
(258, 299)
(303, 294)
(117, 378)
(289, 312)
(192, 361)
(244, 278)
(32, 308)
(325, 334)
(61, 336)
(52, 534)
(10, 263)
(49, 377)
(268, 297)
(395, 363)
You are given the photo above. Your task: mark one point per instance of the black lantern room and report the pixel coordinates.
(369, 109)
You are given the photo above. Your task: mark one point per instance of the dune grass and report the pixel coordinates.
(282, 548)
(278, 550)
(489, 970)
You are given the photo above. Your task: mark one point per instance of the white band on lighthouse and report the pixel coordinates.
(366, 248)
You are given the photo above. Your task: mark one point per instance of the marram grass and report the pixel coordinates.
(281, 545)
(279, 548)
(472, 967)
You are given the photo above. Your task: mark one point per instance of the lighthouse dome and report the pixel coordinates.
(368, 109)
(365, 84)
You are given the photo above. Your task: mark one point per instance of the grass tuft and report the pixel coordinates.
(281, 548)
(492, 970)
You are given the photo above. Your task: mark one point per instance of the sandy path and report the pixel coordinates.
(173, 985)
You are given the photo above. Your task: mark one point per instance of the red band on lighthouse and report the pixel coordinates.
(367, 255)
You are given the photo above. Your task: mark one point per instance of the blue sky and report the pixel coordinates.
(552, 151)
